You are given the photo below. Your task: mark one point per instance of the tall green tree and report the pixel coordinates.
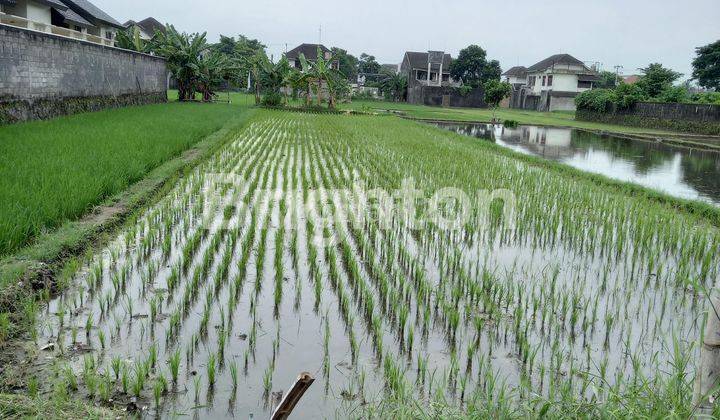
(368, 65)
(656, 79)
(347, 62)
(129, 39)
(471, 66)
(706, 66)
(394, 87)
(608, 80)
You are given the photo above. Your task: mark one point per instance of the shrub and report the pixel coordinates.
(625, 95)
(712, 98)
(599, 100)
(675, 94)
(272, 99)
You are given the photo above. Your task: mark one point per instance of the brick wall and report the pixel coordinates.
(41, 71)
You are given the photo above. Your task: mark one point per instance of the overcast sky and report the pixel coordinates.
(631, 33)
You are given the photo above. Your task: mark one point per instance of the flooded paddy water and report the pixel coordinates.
(679, 171)
(217, 297)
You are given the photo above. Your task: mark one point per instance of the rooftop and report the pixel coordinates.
(565, 59)
(308, 50)
(517, 71)
(89, 12)
(419, 60)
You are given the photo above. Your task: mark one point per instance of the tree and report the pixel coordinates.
(656, 79)
(608, 80)
(129, 39)
(226, 46)
(472, 67)
(347, 62)
(394, 86)
(495, 92)
(706, 66)
(183, 54)
(368, 65)
(212, 69)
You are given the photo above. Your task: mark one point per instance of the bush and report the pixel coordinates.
(675, 94)
(712, 98)
(625, 95)
(510, 123)
(272, 99)
(605, 100)
(598, 100)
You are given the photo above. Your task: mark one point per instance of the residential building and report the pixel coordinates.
(310, 51)
(552, 84)
(429, 82)
(77, 19)
(515, 75)
(146, 27)
(430, 68)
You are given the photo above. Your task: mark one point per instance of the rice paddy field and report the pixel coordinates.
(583, 301)
(57, 170)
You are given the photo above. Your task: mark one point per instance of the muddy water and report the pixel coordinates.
(217, 271)
(681, 172)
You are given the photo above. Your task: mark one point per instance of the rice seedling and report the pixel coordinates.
(211, 369)
(174, 362)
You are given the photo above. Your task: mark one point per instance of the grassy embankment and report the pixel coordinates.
(53, 173)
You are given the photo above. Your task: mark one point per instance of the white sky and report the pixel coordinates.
(631, 33)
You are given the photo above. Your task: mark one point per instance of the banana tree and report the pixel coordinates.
(211, 70)
(183, 54)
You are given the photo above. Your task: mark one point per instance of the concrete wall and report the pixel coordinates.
(690, 118)
(38, 70)
(446, 96)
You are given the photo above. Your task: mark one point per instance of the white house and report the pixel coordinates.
(552, 84)
(78, 19)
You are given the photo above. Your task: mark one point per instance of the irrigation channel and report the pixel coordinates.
(679, 171)
(217, 297)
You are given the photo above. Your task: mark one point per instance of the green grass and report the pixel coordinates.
(557, 118)
(52, 171)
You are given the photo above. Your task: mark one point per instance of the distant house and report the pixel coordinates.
(310, 51)
(430, 68)
(146, 27)
(552, 84)
(77, 19)
(632, 79)
(515, 75)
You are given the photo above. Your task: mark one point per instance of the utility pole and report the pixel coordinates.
(320, 34)
(617, 74)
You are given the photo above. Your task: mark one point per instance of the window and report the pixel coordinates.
(531, 81)
(549, 80)
(544, 79)
(446, 78)
(584, 85)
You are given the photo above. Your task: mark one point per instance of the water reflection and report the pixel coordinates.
(681, 172)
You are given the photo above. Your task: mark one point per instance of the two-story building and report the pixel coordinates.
(310, 51)
(551, 84)
(77, 19)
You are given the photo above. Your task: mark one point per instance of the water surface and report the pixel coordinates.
(679, 171)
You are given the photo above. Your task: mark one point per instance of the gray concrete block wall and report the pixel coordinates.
(39, 67)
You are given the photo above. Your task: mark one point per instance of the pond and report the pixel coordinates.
(678, 171)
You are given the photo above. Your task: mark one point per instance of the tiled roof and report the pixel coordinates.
(308, 50)
(89, 11)
(517, 71)
(555, 59)
(70, 16)
(419, 60)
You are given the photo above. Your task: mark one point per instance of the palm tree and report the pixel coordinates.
(395, 85)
